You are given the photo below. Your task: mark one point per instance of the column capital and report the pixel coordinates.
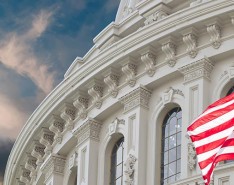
(89, 130)
(199, 69)
(138, 97)
(55, 164)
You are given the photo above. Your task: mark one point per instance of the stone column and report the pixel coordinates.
(87, 148)
(53, 168)
(196, 83)
(136, 112)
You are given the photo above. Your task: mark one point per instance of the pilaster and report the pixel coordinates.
(136, 105)
(196, 83)
(53, 168)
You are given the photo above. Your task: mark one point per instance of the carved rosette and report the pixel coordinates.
(201, 68)
(130, 169)
(190, 39)
(89, 130)
(169, 50)
(55, 165)
(96, 92)
(68, 114)
(191, 156)
(137, 97)
(47, 139)
(149, 60)
(214, 30)
(38, 152)
(112, 80)
(57, 127)
(130, 70)
(81, 103)
(25, 177)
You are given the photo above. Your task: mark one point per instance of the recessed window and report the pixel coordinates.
(117, 163)
(171, 147)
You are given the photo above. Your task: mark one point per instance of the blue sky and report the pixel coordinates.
(38, 42)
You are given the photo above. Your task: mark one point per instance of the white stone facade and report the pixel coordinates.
(157, 55)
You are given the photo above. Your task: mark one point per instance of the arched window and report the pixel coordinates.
(117, 154)
(230, 91)
(171, 147)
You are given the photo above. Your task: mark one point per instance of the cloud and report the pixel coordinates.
(16, 52)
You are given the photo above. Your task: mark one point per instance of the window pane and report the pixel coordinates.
(172, 142)
(165, 171)
(165, 158)
(178, 152)
(178, 166)
(172, 126)
(178, 138)
(166, 144)
(119, 181)
(119, 155)
(171, 179)
(119, 171)
(172, 155)
(172, 168)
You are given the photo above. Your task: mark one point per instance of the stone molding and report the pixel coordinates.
(96, 92)
(68, 114)
(47, 139)
(25, 177)
(113, 127)
(130, 169)
(148, 58)
(129, 68)
(88, 130)
(38, 152)
(191, 156)
(199, 69)
(138, 97)
(72, 161)
(55, 164)
(57, 127)
(81, 102)
(169, 49)
(214, 30)
(31, 166)
(167, 96)
(111, 78)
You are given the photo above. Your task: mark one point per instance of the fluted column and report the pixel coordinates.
(87, 148)
(53, 168)
(136, 105)
(196, 83)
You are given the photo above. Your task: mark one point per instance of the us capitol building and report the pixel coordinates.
(121, 113)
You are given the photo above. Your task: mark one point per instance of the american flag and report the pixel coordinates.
(212, 134)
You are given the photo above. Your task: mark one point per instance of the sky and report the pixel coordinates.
(38, 42)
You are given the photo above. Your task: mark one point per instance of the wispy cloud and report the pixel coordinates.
(16, 53)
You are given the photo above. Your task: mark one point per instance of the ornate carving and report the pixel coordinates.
(55, 164)
(72, 161)
(31, 166)
(137, 97)
(156, 16)
(214, 31)
(191, 156)
(114, 125)
(130, 169)
(149, 60)
(25, 177)
(57, 128)
(169, 50)
(38, 152)
(47, 139)
(198, 69)
(168, 94)
(190, 39)
(68, 114)
(89, 130)
(96, 92)
(81, 103)
(130, 70)
(112, 80)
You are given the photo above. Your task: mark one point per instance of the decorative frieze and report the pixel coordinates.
(201, 68)
(114, 125)
(57, 127)
(169, 49)
(68, 114)
(112, 80)
(214, 30)
(54, 165)
(38, 152)
(190, 39)
(191, 156)
(138, 97)
(96, 92)
(81, 102)
(130, 169)
(148, 59)
(129, 68)
(47, 139)
(89, 130)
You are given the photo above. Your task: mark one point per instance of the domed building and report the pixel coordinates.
(121, 113)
